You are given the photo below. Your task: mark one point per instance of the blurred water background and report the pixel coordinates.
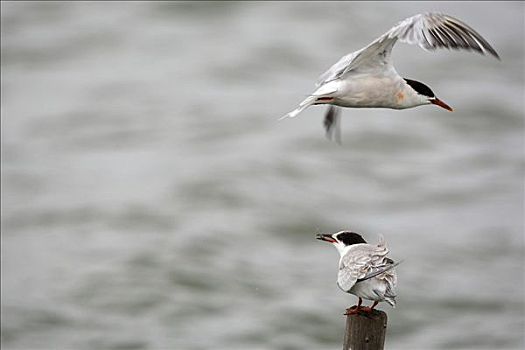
(151, 199)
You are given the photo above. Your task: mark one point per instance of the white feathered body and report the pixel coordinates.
(376, 90)
(381, 288)
(359, 260)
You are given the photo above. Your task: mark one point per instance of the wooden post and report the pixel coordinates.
(365, 332)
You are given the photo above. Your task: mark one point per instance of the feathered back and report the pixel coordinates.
(359, 261)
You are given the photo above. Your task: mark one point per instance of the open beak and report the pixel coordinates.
(325, 237)
(440, 103)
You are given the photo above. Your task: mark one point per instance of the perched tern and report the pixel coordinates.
(367, 78)
(364, 269)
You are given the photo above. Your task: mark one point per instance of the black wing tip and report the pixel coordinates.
(482, 46)
(488, 51)
(483, 51)
(495, 54)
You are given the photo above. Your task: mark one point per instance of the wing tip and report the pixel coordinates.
(494, 53)
(439, 37)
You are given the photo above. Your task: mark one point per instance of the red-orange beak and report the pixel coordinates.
(325, 237)
(440, 103)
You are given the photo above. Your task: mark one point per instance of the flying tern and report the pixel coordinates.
(367, 77)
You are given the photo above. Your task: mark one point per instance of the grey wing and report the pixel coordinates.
(374, 56)
(436, 30)
(429, 31)
(350, 270)
(338, 68)
(357, 263)
(389, 265)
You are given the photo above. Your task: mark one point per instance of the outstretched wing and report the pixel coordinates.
(429, 31)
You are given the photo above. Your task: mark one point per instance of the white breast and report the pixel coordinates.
(366, 289)
(385, 89)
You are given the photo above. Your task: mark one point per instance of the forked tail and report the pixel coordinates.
(310, 100)
(323, 95)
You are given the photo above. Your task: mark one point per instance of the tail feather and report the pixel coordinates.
(390, 295)
(391, 301)
(379, 271)
(302, 106)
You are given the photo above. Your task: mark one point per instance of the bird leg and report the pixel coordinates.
(369, 310)
(354, 310)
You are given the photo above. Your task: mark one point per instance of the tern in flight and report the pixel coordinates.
(367, 78)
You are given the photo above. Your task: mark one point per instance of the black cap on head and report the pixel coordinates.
(349, 238)
(420, 88)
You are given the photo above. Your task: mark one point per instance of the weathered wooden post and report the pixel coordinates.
(365, 331)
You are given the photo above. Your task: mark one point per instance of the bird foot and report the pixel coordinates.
(360, 310)
(366, 310)
(353, 310)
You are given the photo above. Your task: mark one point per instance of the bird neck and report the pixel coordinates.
(343, 249)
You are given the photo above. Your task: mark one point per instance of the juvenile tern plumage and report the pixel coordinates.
(367, 78)
(364, 269)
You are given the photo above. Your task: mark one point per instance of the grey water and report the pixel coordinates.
(151, 199)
